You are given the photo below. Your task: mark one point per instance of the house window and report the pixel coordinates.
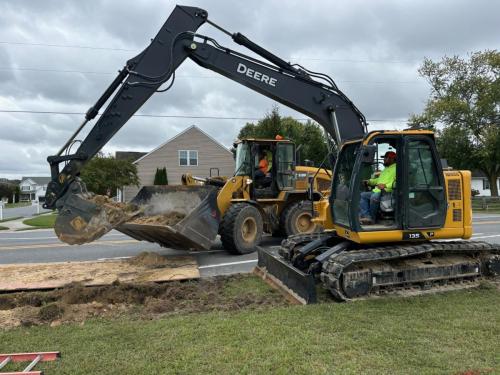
(25, 188)
(486, 184)
(188, 157)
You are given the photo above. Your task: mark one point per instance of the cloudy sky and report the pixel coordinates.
(60, 55)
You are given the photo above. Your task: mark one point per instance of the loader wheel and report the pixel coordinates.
(296, 219)
(241, 229)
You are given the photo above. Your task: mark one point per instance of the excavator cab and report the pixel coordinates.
(417, 198)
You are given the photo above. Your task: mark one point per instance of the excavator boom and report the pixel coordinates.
(315, 95)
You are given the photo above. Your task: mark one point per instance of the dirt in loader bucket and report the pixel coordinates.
(175, 216)
(170, 218)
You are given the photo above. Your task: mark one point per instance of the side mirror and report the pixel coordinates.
(368, 153)
(310, 189)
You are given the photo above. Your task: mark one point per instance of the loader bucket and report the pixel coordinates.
(282, 275)
(179, 217)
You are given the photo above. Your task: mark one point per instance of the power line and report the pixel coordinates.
(137, 50)
(66, 46)
(188, 76)
(172, 116)
(52, 70)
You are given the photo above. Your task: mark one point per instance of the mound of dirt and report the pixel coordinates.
(170, 218)
(76, 303)
(149, 260)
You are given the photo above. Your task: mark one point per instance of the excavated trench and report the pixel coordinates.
(77, 303)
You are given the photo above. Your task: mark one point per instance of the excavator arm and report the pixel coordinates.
(313, 94)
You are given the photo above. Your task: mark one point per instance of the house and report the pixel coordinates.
(33, 188)
(481, 183)
(191, 151)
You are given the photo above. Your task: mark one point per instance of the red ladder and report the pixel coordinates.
(34, 358)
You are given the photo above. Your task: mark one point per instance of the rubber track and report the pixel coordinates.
(333, 268)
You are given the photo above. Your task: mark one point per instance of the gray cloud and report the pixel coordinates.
(371, 49)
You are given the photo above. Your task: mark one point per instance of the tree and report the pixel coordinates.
(161, 176)
(309, 135)
(105, 174)
(8, 190)
(464, 108)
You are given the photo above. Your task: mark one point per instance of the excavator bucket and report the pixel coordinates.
(84, 217)
(179, 217)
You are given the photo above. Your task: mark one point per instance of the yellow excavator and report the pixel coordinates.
(416, 241)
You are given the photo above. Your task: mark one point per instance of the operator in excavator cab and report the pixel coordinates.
(370, 200)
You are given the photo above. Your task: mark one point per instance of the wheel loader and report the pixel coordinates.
(420, 245)
(248, 206)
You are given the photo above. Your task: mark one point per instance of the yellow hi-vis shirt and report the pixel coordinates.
(387, 177)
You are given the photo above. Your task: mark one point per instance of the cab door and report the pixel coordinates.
(341, 197)
(424, 191)
(285, 164)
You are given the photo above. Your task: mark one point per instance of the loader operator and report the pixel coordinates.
(262, 175)
(370, 200)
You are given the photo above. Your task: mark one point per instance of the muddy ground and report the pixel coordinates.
(77, 303)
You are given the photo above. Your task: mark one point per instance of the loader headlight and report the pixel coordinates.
(249, 181)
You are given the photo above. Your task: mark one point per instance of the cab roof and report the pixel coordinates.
(262, 141)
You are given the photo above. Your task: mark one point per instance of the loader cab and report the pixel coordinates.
(280, 155)
(417, 199)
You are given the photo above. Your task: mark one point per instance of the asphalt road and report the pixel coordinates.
(41, 246)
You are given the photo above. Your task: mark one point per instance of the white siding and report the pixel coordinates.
(477, 183)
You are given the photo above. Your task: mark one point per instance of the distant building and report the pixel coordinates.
(481, 183)
(191, 151)
(33, 188)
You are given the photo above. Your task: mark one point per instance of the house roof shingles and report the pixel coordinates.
(38, 180)
(129, 155)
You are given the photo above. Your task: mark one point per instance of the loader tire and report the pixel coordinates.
(296, 219)
(241, 229)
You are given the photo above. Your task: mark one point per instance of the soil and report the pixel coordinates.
(144, 267)
(149, 260)
(77, 303)
(170, 218)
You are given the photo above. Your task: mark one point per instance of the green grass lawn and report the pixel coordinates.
(42, 221)
(3, 228)
(438, 334)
